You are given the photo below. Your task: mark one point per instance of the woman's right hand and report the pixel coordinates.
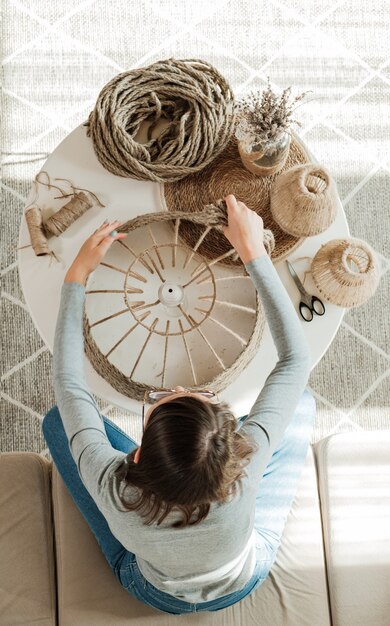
(244, 230)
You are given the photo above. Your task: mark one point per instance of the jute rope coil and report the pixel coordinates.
(225, 175)
(304, 200)
(190, 93)
(346, 271)
(213, 217)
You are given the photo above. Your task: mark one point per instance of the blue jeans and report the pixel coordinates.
(273, 503)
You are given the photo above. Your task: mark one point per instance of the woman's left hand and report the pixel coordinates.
(92, 252)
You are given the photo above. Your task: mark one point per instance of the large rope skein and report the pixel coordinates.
(190, 93)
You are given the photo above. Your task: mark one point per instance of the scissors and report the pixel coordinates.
(309, 304)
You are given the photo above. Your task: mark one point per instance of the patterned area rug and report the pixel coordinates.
(56, 58)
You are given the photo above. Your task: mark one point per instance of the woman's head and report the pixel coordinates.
(191, 455)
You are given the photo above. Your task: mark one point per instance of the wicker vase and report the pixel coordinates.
(268, 159)
(304, 200)
(346, 271)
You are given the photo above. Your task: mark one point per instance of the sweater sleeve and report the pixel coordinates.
(284, 386)
(83, 424)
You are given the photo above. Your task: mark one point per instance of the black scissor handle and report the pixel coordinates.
(317, 305)
(306, 311)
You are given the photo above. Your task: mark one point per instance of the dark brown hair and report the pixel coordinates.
(191, 455)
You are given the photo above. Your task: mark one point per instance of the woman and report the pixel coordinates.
(190, 520)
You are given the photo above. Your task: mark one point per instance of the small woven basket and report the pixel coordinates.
(346, 271)
(304, 200)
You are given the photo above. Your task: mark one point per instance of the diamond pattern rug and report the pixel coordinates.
(56, 58)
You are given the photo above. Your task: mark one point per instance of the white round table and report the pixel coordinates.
(124, 198)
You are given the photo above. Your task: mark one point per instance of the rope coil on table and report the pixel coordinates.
(190, 93)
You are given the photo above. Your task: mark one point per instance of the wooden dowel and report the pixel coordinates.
(165, 352)
(155, 266)
(139, 257)
(144, 346)
(121, 339)
(196, 246)
(229, 330)
(188, 353)
(104, 319)
(176, 236)
(156, 247)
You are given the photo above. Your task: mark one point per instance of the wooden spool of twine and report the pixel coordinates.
(213, 217)
(56, 224)
(304, 200)
(81, 200)
(225, 175)
(190, 94)
(346, 271)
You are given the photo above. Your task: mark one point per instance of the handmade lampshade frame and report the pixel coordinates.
(192, 320)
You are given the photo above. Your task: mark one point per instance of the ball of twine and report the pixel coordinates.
(191, 94)
(304, 200)
(346, 271)
(135, 388)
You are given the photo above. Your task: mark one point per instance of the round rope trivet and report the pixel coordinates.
(226, 175)
(190, 94)
(190, 320)
(304, 200)
(346, 271)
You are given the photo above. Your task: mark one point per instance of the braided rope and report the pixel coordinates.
(190, 94)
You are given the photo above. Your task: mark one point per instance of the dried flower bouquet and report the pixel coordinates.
(262, 118)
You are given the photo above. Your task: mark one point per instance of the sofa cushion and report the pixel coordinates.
(354, 483)
(295, 593)
(27, 570)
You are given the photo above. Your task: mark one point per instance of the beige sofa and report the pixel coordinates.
(333, 566)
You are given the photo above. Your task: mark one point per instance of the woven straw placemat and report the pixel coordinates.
(227, 174)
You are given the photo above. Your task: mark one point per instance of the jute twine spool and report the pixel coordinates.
(346, 271)
(304, 200)
(59, 221)
(190, 93)
(135, 388)
(225, 175)
(56, 224)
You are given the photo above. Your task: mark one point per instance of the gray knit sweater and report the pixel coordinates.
(206, 561)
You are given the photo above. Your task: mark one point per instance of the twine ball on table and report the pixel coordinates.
(346, 271)
(196, 102)
(304, 200)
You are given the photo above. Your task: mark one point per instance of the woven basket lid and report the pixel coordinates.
(227, 174)
(346, 271)
(159, 314)
(304, 200)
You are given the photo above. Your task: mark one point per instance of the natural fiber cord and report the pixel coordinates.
(190, 93)
(226, 175)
